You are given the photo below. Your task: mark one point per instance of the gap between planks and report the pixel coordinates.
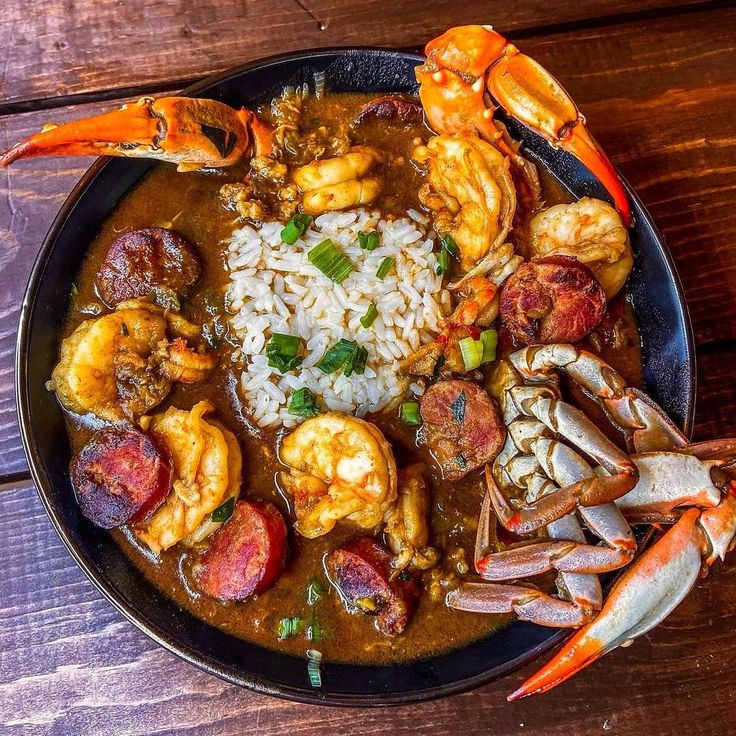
(33, 104)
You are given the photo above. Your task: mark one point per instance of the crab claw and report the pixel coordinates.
(192, 133)
(641, 598)
(529, 93)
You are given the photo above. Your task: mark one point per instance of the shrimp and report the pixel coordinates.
(341, 467)
(470, 191)
(340, 182)
(591, 231)
(117, 366)
(207, 466)
(407, 530)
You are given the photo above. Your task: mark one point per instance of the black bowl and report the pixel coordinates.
(669, 371)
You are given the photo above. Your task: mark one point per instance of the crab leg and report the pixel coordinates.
(192, 133)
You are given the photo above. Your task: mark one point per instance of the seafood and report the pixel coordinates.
(110, 366)
(467, 62)
(469, 191)
(207, 466)
(589, 230)
(339, 183)
(189, 132)
(340, 467)
(407, 524)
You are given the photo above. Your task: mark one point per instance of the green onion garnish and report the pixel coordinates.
(489, 340)
(357, 362)
(329, 259)
(295, 228)
(472, 355)
(314, 630)
(282, 351)
(443, 263)
(448, 244)
(409, 413)
(368, 241)
(344, 354)
(289, 627)
(302, 403)
(370, 316)
(224, 511)
(315, 590)
(386, 265)
(314, 659)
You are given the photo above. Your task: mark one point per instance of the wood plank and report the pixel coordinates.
(64, 48)
(72, 665)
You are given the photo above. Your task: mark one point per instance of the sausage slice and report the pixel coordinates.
(554, 299)
(461, 426)
(247, 553)
(120, 476)
(141, 261)
(391, 107)
(360, 571)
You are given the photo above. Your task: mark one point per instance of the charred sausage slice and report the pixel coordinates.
(141, 261)
(360, 571)
(554, 299)
(247, 553)
(120, 476)
(461, 426)
(391, 107)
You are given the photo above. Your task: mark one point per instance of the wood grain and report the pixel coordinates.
(68, 48)
(72, 665)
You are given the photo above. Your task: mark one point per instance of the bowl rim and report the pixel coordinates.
(43, 483)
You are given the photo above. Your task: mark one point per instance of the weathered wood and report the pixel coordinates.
(72, 665)
(62, 48)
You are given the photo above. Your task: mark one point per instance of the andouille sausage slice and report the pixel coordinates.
(391, 107)
(461, 426)
(553, 299)
(360, 571)
(140, 261)
(247, 553)
(120, 476)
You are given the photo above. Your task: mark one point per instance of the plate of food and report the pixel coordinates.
(347, 375)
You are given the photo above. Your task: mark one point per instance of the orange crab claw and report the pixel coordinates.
(192, 133)
(641, 598)
(468, 50)
(529, 93)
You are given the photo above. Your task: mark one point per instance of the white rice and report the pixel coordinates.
(274, 288)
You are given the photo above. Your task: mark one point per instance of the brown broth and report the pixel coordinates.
(188, 203)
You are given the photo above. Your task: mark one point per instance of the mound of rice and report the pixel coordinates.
(274, 288)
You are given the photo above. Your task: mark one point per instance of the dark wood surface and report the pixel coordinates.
(657, 82)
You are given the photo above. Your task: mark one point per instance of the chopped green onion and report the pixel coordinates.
(409, 413)
(448, 244)
(315, 590)
(329, 259)
(295, 228)
(370, 316)
(386, 265)
(289, 627)
(443, 263)
(282, 351)
(337, 356)
(314, 659)
(224, 511)
(472, 356)
(357, 362)
(489, 340)
(302, 403)
(368, 241)
(315, 632)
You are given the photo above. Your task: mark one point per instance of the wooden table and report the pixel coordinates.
(658, 86)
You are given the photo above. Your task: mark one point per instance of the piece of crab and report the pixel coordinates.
(341, 467)
(467, 61)
(192, 133)
(207, 465)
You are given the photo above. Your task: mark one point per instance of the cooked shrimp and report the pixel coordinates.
(179, 362)
(207, 464)
(85, 377)
(340, 182)
(591, 231)
(341, 467)
(470, 191)
(407, 528)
